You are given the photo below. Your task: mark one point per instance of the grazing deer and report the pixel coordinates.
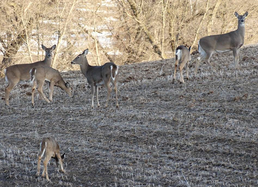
(40, 74)
(182, 57)
(231, 41)
(98, 75)
(50, 148)
(14, 74)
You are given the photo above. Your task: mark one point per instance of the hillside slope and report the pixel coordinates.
(201, 133)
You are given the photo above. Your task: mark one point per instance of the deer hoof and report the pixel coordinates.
(63, 171)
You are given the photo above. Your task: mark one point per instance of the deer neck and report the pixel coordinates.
(61, 84)
(48, 61)
(241, 30)
(85, 66)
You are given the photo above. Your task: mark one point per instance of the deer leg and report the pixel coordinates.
(40, 86)
(97, 95)
(46, 160)
(236, 57)
(51, 90)
(175, 70)
(8, 89)
(108, 91)
(182, 65)
(38, 166)
(61, 163)
(187, 70)
(197, 65)
(213, 66)
(200, 59)
(115, 85)
(92, 95)
(33, 92)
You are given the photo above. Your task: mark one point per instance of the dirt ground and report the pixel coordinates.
(201, 133)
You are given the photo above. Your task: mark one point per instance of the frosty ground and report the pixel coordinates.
(201, 133)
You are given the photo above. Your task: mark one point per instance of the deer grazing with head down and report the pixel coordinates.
(20, 72)
(182, 57)
(38, 77)
(50, 148)
(231, 41)
(98, 75)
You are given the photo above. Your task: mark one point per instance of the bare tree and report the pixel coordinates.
(122, 31)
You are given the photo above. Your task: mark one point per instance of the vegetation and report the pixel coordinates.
(122, 31)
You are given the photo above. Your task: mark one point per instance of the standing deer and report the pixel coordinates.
(231, 41)
(40, 74)
(50, 148)
(98, 75)
(19, 72)
(182, 57)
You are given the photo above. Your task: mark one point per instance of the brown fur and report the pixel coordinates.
(40, 74)
(98, 75)
(183, 59)
(14, 74)
(50, 148)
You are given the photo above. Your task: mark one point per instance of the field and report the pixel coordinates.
(201, 133)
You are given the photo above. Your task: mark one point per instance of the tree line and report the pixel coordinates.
(122, 31)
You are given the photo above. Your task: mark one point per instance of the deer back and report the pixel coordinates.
(101, 74)
(227, 41)
(52, 75)
(22, 71)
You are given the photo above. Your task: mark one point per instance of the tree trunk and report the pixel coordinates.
(149, 36)
(199, 27)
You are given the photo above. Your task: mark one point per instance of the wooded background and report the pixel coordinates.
(122, 31)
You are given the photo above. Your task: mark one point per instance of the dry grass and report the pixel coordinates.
(202, 133)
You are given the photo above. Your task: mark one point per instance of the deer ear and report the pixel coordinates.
(62, 156)
(67, 84)
(85, 52)
(246, 14)
(53, 47)
(236, 14)
(43, 47)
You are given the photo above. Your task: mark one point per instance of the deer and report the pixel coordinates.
(182, 57)
(50, 148)
(20, 72)
(40, 74)
(231, 41)
(98, 75)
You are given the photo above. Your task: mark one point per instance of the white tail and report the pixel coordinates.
(98, 75)
(223, 42)
(50, 148)
(43, 152)
(14, 74)
(40, 74)
(182, 57)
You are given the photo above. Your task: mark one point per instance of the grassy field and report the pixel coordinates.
(201, 133)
